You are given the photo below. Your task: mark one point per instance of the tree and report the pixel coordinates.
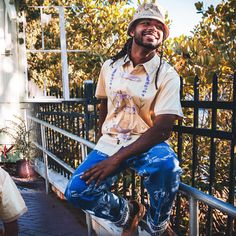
(212, 46)
(97, 28)
(211, 49)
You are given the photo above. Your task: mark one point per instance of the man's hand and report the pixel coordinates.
(100, 171)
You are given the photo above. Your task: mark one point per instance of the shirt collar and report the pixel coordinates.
(149, 66)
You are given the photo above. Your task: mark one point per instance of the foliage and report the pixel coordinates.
(11, 157)
(96, 28)
(21, 137)
(211, 49)
(212, 46)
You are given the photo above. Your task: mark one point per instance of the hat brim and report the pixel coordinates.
(166, 29)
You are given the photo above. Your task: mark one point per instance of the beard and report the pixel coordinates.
(148, 45)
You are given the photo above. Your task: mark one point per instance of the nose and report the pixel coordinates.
(152, 29)
(151, 26)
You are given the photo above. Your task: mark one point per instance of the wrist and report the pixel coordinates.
(116, 159)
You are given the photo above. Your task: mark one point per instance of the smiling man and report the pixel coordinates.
(140, 102)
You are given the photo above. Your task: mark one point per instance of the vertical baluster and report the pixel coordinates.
(230, 225)
(212, 150)
(194, 224)
(195, 124)
(45, 157)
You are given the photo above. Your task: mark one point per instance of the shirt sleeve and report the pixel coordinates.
(168, 96)
(12, 204)
(101, 86)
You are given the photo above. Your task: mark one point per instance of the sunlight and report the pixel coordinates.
(7, 65)
(16, 87)
(2, 46)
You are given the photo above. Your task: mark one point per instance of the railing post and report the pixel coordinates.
(84, 151)
(88, 95)
(88, 216)
(45, 157)
(193, 221)
(89, 224)
(64, 61)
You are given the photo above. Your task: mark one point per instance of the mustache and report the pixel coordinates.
(150, 31)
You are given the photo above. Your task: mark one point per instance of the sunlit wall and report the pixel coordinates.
(12, 85)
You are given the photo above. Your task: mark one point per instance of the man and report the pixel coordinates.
(12, 205)
(140, 102)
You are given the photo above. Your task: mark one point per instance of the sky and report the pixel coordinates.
(183, 14)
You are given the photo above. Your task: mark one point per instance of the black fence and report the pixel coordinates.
(205, 142)
(206, 147)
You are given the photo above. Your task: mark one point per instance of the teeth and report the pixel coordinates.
(150, 34)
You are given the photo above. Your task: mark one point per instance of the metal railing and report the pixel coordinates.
(204, 142)
(195, 196)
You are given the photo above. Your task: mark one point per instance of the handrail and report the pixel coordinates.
(194, 194)
(61, 131)
(55, 158)
(208, 199)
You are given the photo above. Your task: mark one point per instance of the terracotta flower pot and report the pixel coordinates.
(24, 169)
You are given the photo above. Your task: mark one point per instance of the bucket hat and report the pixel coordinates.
(149, 11)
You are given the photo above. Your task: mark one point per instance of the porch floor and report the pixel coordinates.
(47, 214)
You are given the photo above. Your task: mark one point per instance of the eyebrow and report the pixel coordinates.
(158, 22)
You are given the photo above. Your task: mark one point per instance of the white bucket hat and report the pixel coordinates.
(149, 11)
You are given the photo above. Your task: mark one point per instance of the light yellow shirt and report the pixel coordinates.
(12, 205)
(133, 99)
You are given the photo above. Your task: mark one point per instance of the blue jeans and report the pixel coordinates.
(159, 167)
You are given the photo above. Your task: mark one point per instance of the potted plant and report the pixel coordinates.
(22, 147)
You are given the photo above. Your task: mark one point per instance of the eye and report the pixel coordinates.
(144, 22)
(160, 27)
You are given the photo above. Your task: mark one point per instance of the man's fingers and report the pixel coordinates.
(93, 177)
(88, 173)
(101, 178)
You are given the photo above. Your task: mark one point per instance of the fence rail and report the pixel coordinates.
(205, 142)
(194, 195)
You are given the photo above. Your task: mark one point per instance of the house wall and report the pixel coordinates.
(12, 77)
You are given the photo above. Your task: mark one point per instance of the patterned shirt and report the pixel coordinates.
(133, 100)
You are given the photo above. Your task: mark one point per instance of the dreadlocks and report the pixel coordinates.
(126, 50)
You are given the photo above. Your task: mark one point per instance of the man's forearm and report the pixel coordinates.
(102, 115)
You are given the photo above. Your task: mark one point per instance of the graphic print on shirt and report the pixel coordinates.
(127, 103)
(124, 112)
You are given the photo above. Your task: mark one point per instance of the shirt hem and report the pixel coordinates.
(16, 216)
(170, 112)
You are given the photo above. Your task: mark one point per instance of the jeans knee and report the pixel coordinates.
(172, 172)
(73, 191)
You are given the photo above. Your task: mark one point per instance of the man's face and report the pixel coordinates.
(148, 33)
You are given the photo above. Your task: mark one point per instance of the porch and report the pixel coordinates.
(67, 132)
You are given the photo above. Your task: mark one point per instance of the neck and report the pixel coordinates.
(140, 54)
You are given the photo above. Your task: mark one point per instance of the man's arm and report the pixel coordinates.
(102, 116)
(160, 132)
(12, 204)
(11, 228)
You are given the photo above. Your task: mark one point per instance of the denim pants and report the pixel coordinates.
(161, 171)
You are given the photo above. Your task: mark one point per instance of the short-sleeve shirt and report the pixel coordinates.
(133, 99)
(12, 205)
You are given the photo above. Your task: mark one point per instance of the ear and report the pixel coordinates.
(131, 33)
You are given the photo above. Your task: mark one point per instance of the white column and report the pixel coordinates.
(22, 60)
(64, 62)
